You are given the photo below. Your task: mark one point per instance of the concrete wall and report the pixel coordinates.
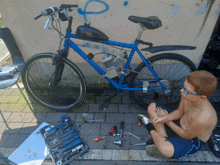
(183, 23)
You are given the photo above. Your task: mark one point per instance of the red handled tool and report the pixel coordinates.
(111, 131)
(99, 138)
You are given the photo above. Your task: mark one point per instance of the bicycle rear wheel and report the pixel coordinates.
(38, 79)
(171, 69)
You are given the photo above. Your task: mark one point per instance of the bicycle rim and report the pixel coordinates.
(67, 94)
(171, 70)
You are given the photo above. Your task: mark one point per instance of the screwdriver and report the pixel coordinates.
(89, 121)
(121, 128)
(99, 138)
(111, 131)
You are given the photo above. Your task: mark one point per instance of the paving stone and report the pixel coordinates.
(29, 99)
(124, 108)
(192, 158)
(72, 116)
(40, 117)
(14, 99)
(137, 109)
(8, 91)
(86, 116)
(5, 99)
(134, 140)
(144, 155)
(87, 155)
(28, 117)
(2, 91)
(116, 155)
(126, 100)
(107, 154)
(135, 155)
(127, 127)
(184, 159)
(54, 117)
(216, 159)
(14, 128)
(37, 108)
(114, 118)
(112, 108)
(208, 156)
(94, 108)
(140, 130)
(131, 118)
(4, 107)
(16, 92)
(96, 154)
(15, 140)
(2, 150)
(100, 116)
(8, 152)
(89, 99)
(4, 116)
(3, 139)
(15, 107)
(120, 155)
(16, 117)
(92, 144)
(90, 128)
(2, 127)
(80, 109)
(200, 156)
(28, 128)
(111, 145)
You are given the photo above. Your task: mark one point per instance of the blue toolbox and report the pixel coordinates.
(64, 142)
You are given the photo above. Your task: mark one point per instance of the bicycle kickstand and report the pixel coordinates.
(105, 104)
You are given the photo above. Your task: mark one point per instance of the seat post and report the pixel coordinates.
(140, 32)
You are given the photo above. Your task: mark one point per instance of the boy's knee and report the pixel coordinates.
(151, 107)
(166, 149)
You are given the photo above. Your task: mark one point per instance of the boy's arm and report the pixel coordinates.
(175, 115)
(195, 128)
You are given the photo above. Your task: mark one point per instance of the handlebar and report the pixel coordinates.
(51, 10)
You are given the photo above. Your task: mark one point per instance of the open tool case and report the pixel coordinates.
(63, 141)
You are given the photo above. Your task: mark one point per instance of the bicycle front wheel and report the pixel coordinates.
(171, 69)
(38, 77)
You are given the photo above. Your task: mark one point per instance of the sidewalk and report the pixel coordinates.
(17, 123)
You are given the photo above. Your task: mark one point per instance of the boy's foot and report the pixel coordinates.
(153, 151)
(144, 119)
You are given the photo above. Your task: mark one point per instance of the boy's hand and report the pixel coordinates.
(161, 112)
(159, 120)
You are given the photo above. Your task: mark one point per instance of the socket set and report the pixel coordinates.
(63, 141)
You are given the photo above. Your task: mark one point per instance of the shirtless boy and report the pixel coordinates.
(197, 118)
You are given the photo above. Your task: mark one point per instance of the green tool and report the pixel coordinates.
(89, 121)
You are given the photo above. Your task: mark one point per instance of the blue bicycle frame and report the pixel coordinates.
(69, 43)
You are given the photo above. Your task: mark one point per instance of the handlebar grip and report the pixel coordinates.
(67, 6)
(37, 17)
(46, 12)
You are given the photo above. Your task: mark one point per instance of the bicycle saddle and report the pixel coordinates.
(152, 22)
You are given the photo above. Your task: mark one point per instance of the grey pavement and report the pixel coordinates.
(17, 123)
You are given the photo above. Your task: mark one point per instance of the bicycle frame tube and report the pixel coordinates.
(133, 47)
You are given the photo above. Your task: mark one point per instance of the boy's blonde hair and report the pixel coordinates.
(203, 81)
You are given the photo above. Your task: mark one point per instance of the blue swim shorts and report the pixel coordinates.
(181, 146)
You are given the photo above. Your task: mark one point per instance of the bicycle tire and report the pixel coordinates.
(172, 95)
(37, 76)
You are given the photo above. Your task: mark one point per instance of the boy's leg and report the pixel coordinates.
(159, 135)
(152, 113)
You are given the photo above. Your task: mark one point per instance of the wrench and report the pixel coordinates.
(71, 145)
(129, 133)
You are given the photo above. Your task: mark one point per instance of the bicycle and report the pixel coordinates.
(57, 83)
